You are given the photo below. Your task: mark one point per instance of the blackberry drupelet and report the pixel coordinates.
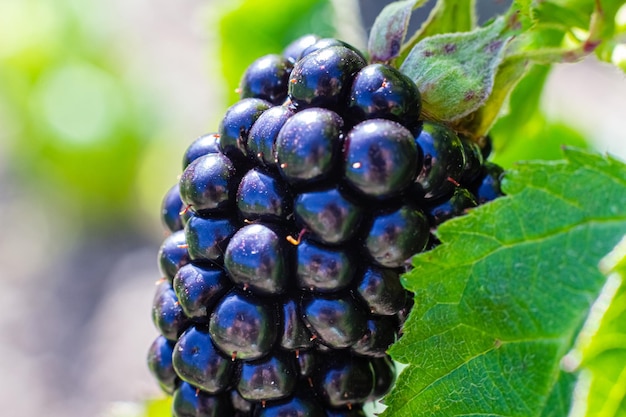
(288, 232)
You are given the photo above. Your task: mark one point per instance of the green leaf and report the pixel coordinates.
(455, 72)
(480, 122)
(499, 303)
(389, 30)
(448, 16)
(600, 353)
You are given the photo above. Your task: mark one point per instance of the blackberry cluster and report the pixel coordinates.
(289, 229)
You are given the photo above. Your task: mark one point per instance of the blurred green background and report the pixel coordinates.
(98, 101)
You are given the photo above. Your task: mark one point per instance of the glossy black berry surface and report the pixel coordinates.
(171, 207)
(294, 50)
(270, 378)
(381, 91)
(323, 78)
(205, 144)
(198, 288)
(338, 322)
(322, 268)
(308, 146)
(263, 133)
(197, 361)
(381, 158)
(443, 161)
(293, 407)
(487, 187)
(326, 43)
(207, 238)
(473, 161)
(294, 331)
(206, 184)
(167, 314)
(256, 259)
(328, 215)
(160, 363)
(393, 238)
(460, 201)
(235, 126)
(381, 333)
(243, 327)
(173, 254)
(188, 401)
(266, 78)
(381, 290)
(345, 379)
(263, 196)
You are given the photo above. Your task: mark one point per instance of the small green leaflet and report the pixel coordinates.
(455, 72)
(389, 30)
(447, 16)
(600, 353)
(500, 302)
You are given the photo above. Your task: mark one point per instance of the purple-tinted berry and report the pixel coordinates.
(266, 78)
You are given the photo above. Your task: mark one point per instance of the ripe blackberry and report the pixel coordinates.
(323, 78)
(262, 196)
(280, 292)
(308, 145)
(266, 78)
(167, 314)
(171, 207)
(262, 135)
(381, 158)
(205, 144)
(198, 288)
(160, 363)
(443, 161)
(198, 362)
(206, 183)
(381, 91)
(257, 260)
(235, 126)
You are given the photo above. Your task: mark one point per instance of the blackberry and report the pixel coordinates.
(198, 288)
(381, 91)
(189, 401)
(323, 78)
(456, 205)
(243, 326)
(207, 237)
(173, 254)
(167, 314)
(235, 126)
(288, 232)
(270, 378)
(171, 207)
(381, 158)
(256, 259)
(309, 144)
(443, 161)
(328, 215)
(198, 362)
(266, 78)
(205, 184)
(262, 196)
(294, 50)
(205, 144)
(262, 135)
(160, 363)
